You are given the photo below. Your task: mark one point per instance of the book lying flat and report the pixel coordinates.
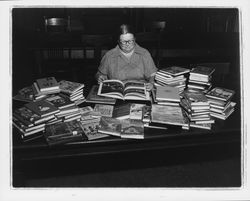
(202, 71)
(70, 87)
(132, 128)
(220, 93)
(60, 101)
(110, 126)
(129, 90)
(167, 93)
(103, 110)
(175, 70)
(47, 84)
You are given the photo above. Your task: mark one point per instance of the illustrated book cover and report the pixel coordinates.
(47, 83)
(175, 70)
(132, 128)
(70, 87)
(60, 101)
(220, 93)
(110, 126)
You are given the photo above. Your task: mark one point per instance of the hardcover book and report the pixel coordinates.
(47, 84)
(220, 93)
(167, 93)
(175, 70)
(103, 110)
(136, 111)
(167, 115)
(202, 71)
(129, 90)
(110, 126)
(94, 98)
(196, 98)
(70, 87)
(91, 129)
(132, 128)
(25, 94)
(63, 129)
(60, 101)
(42, 108)
(122, 111)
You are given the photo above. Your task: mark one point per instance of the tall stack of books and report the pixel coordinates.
(221, 106)
(73, 90)
(197, 109)
(174, 76)
(200, 78)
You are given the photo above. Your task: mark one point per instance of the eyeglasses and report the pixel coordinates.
(126, 42)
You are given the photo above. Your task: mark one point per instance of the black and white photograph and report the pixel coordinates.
(88, 44)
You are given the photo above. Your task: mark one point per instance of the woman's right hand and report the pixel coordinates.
(101, 78)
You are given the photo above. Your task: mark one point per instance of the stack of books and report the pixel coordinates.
(73, 90)
(197, 109)
(45, 86)
(64, 132)
(221, 106)
(31, 118)
(174, 76)
(166, 95)
(200, 78)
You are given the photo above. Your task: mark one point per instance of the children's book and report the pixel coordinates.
(70, 87)
(129, 90)
(220, 93)
(167, 93)
(175, 70)
(94, 98)
(132, 128)
(202, 71)
(103, 110)
(110, 126)
(60, 101)
(47, 84)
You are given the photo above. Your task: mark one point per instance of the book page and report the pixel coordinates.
(112, 86)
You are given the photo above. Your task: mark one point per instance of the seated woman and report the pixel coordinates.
(127, 61)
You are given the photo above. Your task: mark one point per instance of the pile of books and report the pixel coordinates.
(43, 87)
(73, 90)
(221, 106)
(174, 76)
(197, 109)
(31, 118)
(200, 78)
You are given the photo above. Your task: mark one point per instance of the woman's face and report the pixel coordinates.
(127, 42)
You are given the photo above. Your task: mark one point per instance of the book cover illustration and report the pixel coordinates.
(132, 128)
(93, 97)
(175, 70)
(136, 111)
(91, 129)
(48, 83)
(103, 110)
(70, 87)
(220, 93)
(202, 70)
(167, 115)
(26, 116)
(110, 126)
(25, 94)
(42, 108)
(133, 90)
(60, 101)
(196, 98)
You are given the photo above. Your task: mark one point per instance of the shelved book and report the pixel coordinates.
(47, 84)
(94, 98)
(129, 90)
(132, 128)
(165, 114)
(110, 126)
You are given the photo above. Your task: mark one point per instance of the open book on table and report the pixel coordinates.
(128, 90)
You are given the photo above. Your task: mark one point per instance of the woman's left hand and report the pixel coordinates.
(149, 86)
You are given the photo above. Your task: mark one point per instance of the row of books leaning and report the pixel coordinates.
(198, 104)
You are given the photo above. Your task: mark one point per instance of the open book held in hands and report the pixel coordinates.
(129, 90)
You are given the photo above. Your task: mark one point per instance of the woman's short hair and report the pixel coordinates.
(124, 29)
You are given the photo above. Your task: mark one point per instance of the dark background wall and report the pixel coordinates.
(191, 35)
